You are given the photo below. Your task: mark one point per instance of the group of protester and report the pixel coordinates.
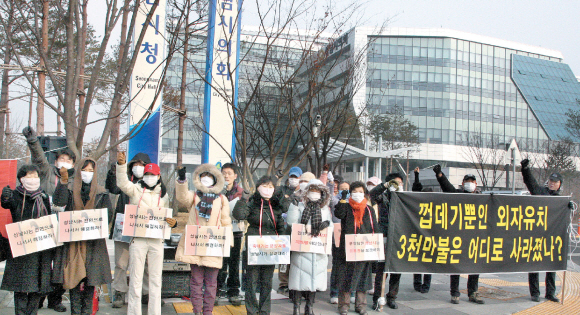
(360, 208)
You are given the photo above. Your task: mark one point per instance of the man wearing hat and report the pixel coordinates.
(469, 186)
(553, 188)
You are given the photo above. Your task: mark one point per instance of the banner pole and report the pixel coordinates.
(564, 287)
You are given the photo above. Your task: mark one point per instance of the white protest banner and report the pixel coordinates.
(268, 250)
(364, 247)
(118, 230)
(34, 235)
(302, 241)
(207, 241)
(147, 222)
(82, 225)
(237, 226)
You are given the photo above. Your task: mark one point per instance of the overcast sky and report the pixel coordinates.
(549, 24)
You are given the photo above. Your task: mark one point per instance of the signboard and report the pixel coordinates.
(7, 178)
(221, 89)
(302, 241)
(207, 241)
(364, 247)
(148, 222)
(146, 81)
(269, 250)
(82, 225)
(476, 233)
(118, 230)
(237, 226)
(34, 235)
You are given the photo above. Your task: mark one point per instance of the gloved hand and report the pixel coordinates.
(246, 195)
(6, 193)
(181, 173)
(63, 175)
(171, 221)
(525, 164)
(437, 169)
(393, 185)
(344, 195)
(330, 176)
(571, 205)
(121, 158)
(29, 134)
(113, 169)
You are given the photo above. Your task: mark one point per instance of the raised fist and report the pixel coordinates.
(63, 175)
(121, 158)
(29, 134)
(437, 169)
(525, 163)
(326, 168)
(416, 170)
(246, 195)
(6, 193)
(181, 173)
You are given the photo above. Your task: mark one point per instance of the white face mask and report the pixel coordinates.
(401, 188)
(313, 195)
(138, 171)
(293, 182)
(358, 197)
(370, 187)
(207, 181)
(303, 186)
(66, 165)
(150, 180)
(469, 186)
(87, 177)
(30, 184)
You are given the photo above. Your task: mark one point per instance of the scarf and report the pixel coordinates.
(234, 193)
(313, 214)
(38, 202)
(358, 211)
(205, 204)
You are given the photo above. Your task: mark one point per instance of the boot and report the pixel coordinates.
(296, 298)
(75, 301)
(309, 309)
(119, 299)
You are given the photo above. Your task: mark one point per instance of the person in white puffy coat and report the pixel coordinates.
(308, 272)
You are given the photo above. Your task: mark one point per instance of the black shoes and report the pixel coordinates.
(552, 298)
(58, 308)
(392, 304)
(535, 298)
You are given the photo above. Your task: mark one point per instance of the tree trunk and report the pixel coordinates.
(81, 56)
(116, 124)
(183, 86)
(4, 99)
(41, 73)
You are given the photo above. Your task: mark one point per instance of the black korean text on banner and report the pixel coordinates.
(475, 233)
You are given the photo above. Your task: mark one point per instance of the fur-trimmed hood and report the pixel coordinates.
(220, 182)
(324, 192)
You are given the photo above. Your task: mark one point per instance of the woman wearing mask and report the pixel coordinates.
(207, 207)
(264, 216)
(308, 272)
(135, 170)
(85, 194)
(148, 192)
(29, 275)
(357, 217)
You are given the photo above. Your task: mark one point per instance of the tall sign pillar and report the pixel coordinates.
(221, 88)
(146, 82)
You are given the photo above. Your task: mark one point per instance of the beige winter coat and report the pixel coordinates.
(137, 193)
(220, 211)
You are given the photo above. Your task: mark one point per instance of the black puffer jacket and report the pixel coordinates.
(28, 273)
(381, 196)
(533, 186)
(250, 211)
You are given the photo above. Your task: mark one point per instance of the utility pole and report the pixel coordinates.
(41, 73)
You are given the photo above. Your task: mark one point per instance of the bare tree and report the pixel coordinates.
(486, 156)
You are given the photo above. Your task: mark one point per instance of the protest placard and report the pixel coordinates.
(364, 247)
(268, 250)
(302, 241)
(34, 235)
(148, 222)
(207, 241)
(118, 230)
(82, 225)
